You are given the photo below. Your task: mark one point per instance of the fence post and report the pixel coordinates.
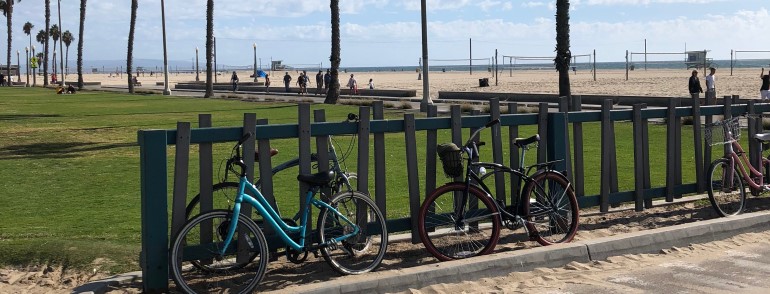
(154, 207)
(577, 137)
(698, 145)
(303, 137)
(755, 148)
(513, 133)
(322, 147)
(181, 169)
(728, 113)
(430, 153)
(708, 119)
(670, 150)
(497, 148)
(564, 108)
(266, 170)
(542, 129)
(678, 149)
(363, 149)
(206, 181)
(606, 161)
(412, 174)
(557, 139)
(379, 161)
(639, 158)
(249, 147)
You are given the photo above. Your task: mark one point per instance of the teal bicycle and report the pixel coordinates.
(214, 252)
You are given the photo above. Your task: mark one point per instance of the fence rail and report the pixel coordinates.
(552, 126)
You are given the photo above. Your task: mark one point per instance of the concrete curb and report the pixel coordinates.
(649, 241)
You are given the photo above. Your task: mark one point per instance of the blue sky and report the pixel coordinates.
(387, 32)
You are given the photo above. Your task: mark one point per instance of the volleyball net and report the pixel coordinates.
(578, 62)
(749, 59)
(460, 64)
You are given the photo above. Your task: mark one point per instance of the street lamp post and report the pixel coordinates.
(425, 85)
(255, 62)
(26, 52)
(197, 77)
(18, 66)
(166, 90)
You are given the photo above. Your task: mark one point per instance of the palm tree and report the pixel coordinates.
(28, 31)
(80, 43)
(55, 34)
(209, 48)
(130, 54)
(45, 49)
(42, 38)
(61, 50)
(66, 38)
(563, 54)
(334, 86)
(7, 7)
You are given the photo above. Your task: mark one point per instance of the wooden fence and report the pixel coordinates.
(553, 127)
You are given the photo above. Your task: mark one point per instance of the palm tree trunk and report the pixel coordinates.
(209, 48)
(61, 50)
(130, 54)
(563, 54)
(9, 13)
(80, 43)
(334, 86)
(48, 37)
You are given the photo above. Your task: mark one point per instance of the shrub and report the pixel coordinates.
(405, 105)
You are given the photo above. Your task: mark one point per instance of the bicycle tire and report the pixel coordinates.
(225, 273)
(722, 194)
(551, 207)
(360, 253)
(439, 232)
(225, 191)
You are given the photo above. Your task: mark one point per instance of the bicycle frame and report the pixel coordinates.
(739, 158)
(271, 216)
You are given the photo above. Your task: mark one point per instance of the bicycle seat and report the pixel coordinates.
(521, 142)
(764, 137)
(273, 152)
(317, 179)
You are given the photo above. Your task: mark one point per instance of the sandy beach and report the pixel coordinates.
(653, 82)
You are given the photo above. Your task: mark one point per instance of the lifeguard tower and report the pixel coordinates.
(276, 65)
(698, 59)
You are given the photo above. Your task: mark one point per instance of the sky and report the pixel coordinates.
(388, 32)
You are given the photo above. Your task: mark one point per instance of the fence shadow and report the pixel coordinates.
(49, 150)
(25, 116)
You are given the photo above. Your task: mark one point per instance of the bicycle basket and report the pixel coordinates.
(722, 132)
(451, 159)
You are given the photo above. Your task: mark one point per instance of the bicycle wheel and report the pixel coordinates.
(340, 186)
(224, 197)
(359, 253)
(552, 208)
(238, 271)
(725, 188)
(449, 236)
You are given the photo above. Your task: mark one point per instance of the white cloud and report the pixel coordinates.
(648, 2)
(532, 4)
(435, 4)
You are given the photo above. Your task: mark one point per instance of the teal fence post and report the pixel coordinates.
(557, 139)
(154, 207)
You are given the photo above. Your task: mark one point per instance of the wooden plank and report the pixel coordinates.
(708, 119)
(670, 152)
(638, 158)
(181, 168)
(678, 148)
(542, 129)
(700, 171)
(206, 180)
(412, 174)
(646, 163)
(604, 192)
(564, 108)
(154, 210)
(249, 147)
(728, 113)
(322, 147)
(497, 148)
(577, 137)
(457, 128)
(430, 154)
(265, 164)
(380, 178)
(513, 133)
(303, 128)
(363, 149)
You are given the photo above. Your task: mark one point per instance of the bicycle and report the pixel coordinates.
(351, 236)
(728, 175)
(225, 191)
(461, 219)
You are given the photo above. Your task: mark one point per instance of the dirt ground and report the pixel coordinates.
(284, 275)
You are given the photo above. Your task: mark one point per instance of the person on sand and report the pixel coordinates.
(319, 82)
(267, 83)
(327, 81)
(234, 81)
(694, 84)
(371, 84)
(764, 90)
(301, 83)
(711, 92)
(287, 81)
(352, 85)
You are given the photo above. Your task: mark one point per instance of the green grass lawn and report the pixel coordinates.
(70, 167)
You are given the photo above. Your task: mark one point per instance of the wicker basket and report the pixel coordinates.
(451, 159)
(722, 132)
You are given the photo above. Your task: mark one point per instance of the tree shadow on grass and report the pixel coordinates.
(55, 150)
(25, 116)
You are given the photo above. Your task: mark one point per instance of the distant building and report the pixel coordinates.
(698, 59)
(14, 70)
(276, 65)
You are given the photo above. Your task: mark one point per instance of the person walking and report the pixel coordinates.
(234, 81)
(764, 90)
(711, 92)
(267, 83)
(319, 82)
(287, 81)
(371, 84)
(327, 81)
(301, 83)
(352, 85)
(694, 84)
